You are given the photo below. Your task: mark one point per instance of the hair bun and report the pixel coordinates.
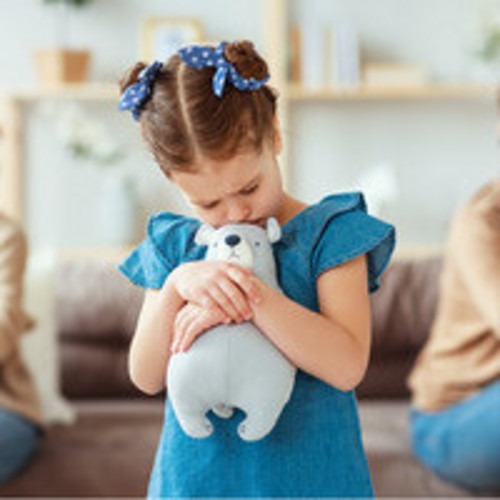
(131, 76)
(243, 56)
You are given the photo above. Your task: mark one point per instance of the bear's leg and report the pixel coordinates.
(260, 420)
(192, 418)
(223, 411)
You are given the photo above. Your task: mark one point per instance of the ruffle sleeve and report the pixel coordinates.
(168, 242)
(344, 234)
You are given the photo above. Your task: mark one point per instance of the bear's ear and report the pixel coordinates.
(204, 234)
(273, 230)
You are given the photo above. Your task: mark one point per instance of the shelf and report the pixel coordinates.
(113, 254)
(293, 92)
(92, 91)
(297, 92)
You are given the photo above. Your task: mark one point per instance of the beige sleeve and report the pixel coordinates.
(476, 245)
(13, 320)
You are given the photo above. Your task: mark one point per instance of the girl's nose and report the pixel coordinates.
(238, 213)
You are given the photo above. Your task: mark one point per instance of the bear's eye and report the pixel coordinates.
(257, 243)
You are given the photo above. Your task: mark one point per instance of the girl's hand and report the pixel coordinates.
(218, 285)
(191, 321)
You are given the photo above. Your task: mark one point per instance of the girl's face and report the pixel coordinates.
(246, 188)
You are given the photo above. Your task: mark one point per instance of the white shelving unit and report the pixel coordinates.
(277, 18)
(276, 15)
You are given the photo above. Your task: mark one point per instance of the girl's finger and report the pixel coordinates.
(181, 316)
(224, 302)
(246, 282)
(207, 302)
(198, 324)
(237, 297)
(191, 333)
(177, 330)
(184, 317)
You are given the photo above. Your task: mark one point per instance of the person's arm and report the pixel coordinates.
(201, 284)
(333, 345)
(150, 348)
(13, 321)
(476, 245)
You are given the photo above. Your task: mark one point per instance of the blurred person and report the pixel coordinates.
(21, 421)
(455, 384)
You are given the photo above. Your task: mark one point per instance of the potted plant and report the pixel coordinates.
(62, 64)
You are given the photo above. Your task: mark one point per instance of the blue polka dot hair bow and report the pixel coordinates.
(137, 94)
(199, 56)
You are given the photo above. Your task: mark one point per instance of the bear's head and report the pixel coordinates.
(247, 245)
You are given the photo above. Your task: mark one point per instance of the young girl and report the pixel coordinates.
(209, 119)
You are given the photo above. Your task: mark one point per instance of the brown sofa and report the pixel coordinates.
(109, 451)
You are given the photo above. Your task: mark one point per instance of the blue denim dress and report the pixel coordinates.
(315, 449)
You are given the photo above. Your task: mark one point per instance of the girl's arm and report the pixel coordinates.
(201, 281)
(150, 348)
(333, 345)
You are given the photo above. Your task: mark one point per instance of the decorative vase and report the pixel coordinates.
(117, 214)
(60, 66)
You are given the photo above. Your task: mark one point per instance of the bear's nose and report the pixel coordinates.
(232, 240)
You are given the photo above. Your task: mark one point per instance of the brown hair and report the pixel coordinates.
(184, 120)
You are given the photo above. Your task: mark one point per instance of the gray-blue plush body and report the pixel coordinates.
(233, 365)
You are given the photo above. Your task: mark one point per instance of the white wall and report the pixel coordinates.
(442, 150)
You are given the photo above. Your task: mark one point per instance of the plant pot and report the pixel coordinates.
(58, 66)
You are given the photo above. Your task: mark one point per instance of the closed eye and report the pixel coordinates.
(244, 192)
(210, 205)
(250, 190)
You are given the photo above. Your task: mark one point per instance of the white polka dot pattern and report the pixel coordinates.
(199, 56)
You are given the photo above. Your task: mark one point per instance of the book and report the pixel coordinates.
(322, 56)
(311, 55)
(343, 55)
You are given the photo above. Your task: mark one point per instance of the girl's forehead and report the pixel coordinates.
(220, 178)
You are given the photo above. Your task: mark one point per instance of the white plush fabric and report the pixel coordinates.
(40, 347)
(233, 365)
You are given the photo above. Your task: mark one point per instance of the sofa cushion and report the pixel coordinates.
(405, 305)
(403, 311)
(395, 471)
(97, 310)
(109, 452)
(96, 313)
(95, 303)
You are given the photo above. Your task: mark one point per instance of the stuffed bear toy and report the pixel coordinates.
(233, 365)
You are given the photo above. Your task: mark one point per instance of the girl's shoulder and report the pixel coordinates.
(169, 241)
(171, 232)
(339, 228)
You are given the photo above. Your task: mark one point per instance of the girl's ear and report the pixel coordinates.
(203, 235)
(273, 230)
